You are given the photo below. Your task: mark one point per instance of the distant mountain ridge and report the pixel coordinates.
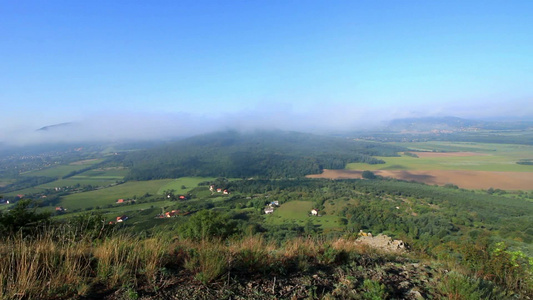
(56, 126)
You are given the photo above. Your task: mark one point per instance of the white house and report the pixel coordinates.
(269, 210)
(314, 212)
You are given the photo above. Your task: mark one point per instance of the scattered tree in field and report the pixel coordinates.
(369, 175)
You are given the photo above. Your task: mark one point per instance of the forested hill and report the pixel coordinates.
(268, 154)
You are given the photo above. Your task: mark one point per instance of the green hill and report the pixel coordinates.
(269, 154)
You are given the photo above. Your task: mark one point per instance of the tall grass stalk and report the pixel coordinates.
(41, 266)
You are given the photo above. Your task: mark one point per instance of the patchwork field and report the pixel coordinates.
(472, 166)
(463, 179)
(449, 161)
(96, 177)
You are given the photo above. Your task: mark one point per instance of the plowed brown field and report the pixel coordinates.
(463, 179)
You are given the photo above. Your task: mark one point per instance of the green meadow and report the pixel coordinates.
(103, 173)
(96, 177)
(110, 195)
(177, 184)
(298, 212)
(130, 210)
(490, 157)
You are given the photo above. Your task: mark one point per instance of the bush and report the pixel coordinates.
(208, 224)
(458, 286)
(368, 175)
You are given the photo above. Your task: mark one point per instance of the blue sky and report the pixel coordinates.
(285, 63)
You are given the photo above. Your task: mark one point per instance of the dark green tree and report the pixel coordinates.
(23, 217)
(368, 175)
(208, 224)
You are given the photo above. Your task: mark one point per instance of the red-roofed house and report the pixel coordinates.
(122, 218)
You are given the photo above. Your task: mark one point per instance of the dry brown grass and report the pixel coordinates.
(48, 268)
(45, 266)
(41, 267)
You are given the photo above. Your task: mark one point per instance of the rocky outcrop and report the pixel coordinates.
(382, 242)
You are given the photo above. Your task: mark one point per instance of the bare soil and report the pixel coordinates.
(463, 179)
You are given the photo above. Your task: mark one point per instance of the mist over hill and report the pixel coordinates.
(155, 128)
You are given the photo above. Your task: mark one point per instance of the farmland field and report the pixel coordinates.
(96, 177)
(110, 195)
(103, 173)
(62, 170)
(449, 161)
(463, 179)
(188, 182)
(473, 166)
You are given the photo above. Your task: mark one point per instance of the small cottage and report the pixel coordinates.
(121, 218)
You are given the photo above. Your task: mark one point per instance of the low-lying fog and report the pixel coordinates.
(107, 126)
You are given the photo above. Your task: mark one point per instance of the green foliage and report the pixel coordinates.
(88, 225)
(23, 217)
(263, 154)
(459, 286)
(411, 154)
(374, 290)
(368, 175)
(208, 224)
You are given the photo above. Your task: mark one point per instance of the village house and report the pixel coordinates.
(120, 201)
(173, 213)
(314, 212)
(122, 218)
(226, 192)
(60, 209)
(269, 210)
(219, 190)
